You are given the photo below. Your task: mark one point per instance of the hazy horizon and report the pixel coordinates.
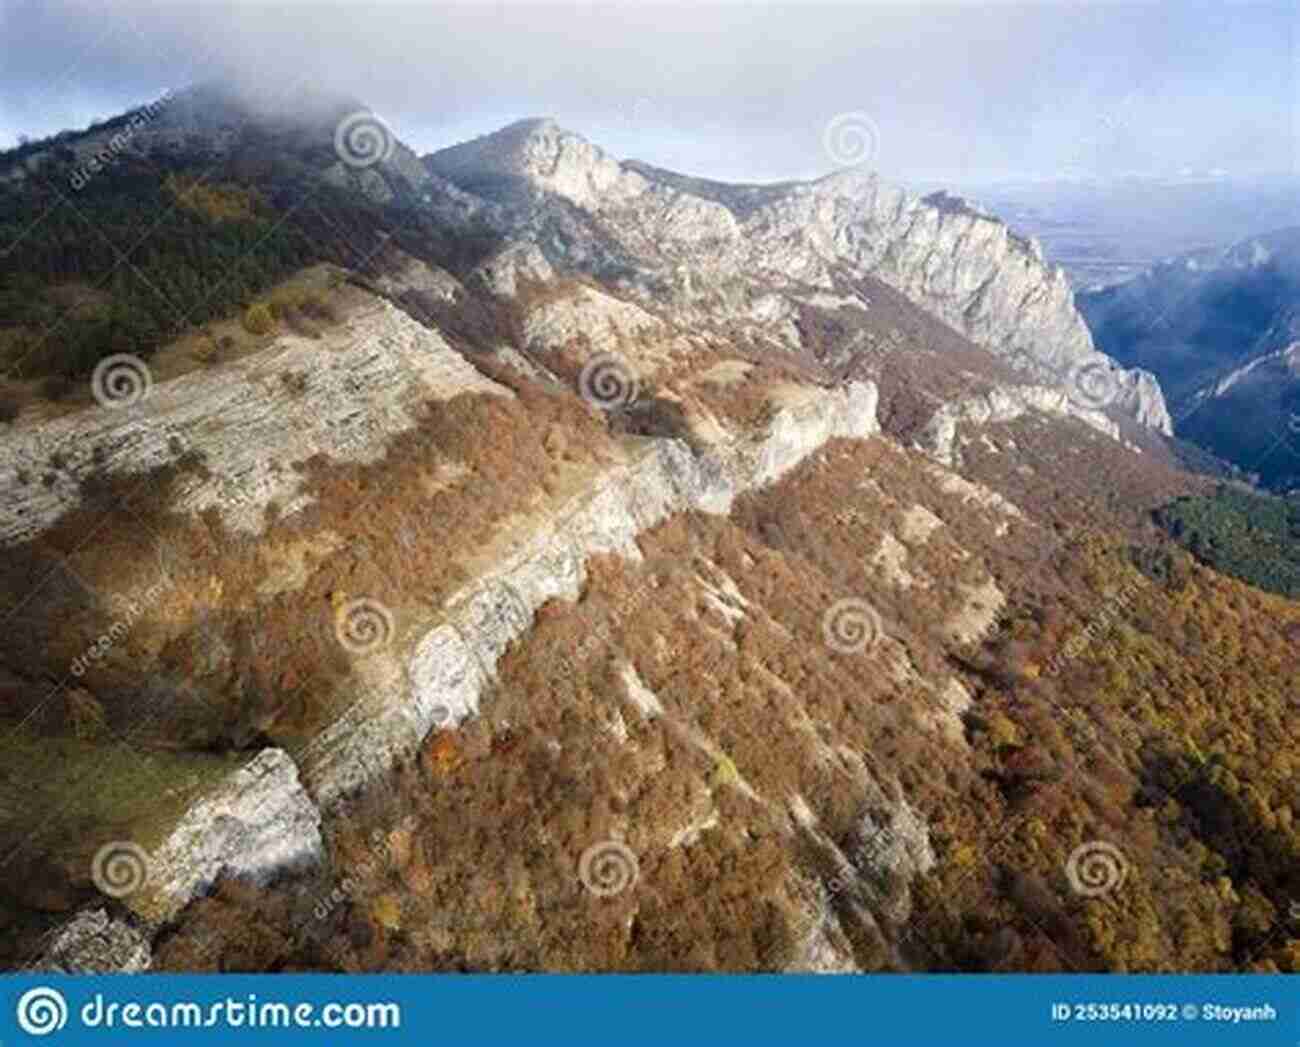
(950, 92)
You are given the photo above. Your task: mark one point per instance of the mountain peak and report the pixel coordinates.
(532, 156)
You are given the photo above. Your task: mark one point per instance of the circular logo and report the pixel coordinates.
(120, 380)
(851, 138)
(42, 1011)
(120, 868)
(1190, 1012)
(1096, 868)
(363, 140)
(608, 382)
(364, 626)
(851, 626)
(608, 868)
(1093, 384)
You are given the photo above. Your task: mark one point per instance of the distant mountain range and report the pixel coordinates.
(1104, 231)
(1221, 330)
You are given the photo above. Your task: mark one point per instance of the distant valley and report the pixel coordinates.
(1104, 231)
(1221, 330)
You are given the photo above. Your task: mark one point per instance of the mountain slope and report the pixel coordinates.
(561, 565)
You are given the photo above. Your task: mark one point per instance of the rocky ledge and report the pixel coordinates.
(264, 820)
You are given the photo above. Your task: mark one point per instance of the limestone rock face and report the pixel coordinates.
(359, 387)
(966, 268)
(1003, 405)
(712, 251)
(604, 321)
(502, 272)
(539, 154)
(93, 942)
(452, 665)
(256, 825)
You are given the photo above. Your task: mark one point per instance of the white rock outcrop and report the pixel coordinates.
(712, 248)
(1003, 404)
(453, 663)
(344, 396)
(256, 825)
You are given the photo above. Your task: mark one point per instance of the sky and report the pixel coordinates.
(958, 92)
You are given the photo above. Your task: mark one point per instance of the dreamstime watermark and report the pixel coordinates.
(851, 626)
(384, 854)
(364, 626)
(120, 380)
(41, 1011)
(869, 854)
(1096, 868)
(107, 155)
(130, 609)
(850, 139)
(608, 868)
(608, 382)
(1093, 384)
(120, 868)
(1100, 625)
(362, 140)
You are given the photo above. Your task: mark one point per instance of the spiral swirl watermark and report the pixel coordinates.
(851, 138)
(608, 382)
(120, 868)
(120, 380)
(41, 1011)
(1094, 384)
(362, 140)
(639, 111)
(608, 868)
(364, 626)
(1096, 868)
(851, 626)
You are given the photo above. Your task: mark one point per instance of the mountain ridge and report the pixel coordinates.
(757, 545)
(752, 228)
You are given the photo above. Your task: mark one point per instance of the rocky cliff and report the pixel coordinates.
(610, 570)
(362, 386)
(753, 255)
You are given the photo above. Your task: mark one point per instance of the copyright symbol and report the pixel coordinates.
(1190, 1012)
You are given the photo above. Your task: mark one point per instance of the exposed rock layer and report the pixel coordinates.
(716, 247)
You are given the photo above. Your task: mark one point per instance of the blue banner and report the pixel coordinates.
(1109, 1010)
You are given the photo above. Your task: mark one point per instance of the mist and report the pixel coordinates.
(956, 92)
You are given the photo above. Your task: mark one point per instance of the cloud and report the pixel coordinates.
(729, 90)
